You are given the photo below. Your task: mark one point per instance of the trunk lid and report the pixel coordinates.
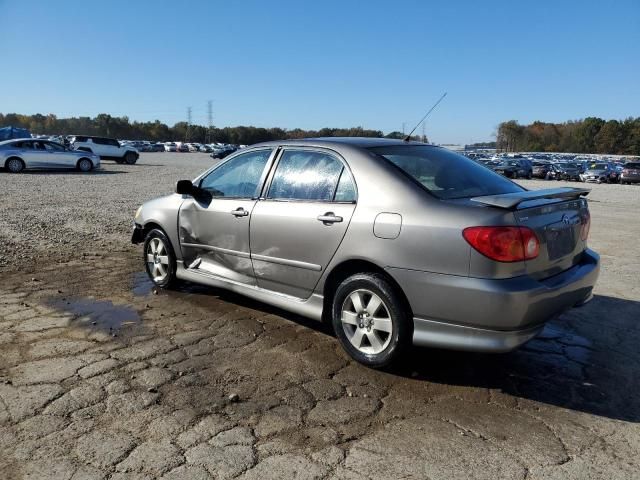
(558, 226)
(557, 217)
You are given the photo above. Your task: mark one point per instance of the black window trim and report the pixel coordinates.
(236, 154)
(345, 168)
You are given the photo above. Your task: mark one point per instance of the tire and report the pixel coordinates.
(529, 176)
(14, 165)
(84, 165)
(130, 158)
(376, 348)
(159, 259)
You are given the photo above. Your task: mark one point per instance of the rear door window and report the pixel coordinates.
(310, 176)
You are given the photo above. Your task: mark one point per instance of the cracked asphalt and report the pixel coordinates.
(104, 377)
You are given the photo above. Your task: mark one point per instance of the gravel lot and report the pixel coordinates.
(103, 377)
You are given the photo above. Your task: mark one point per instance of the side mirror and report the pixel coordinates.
(185, 187)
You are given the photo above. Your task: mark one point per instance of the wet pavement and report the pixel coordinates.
(104, 377)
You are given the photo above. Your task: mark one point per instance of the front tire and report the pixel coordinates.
(371, 320)
(130, 158)
(85, 165)
(159, 259)
(15, 165)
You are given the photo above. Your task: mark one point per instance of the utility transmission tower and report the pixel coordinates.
(187, 134)
(210, 119)
(424, 134)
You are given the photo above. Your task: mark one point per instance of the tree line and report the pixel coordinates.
(590, 135)
(122, 128)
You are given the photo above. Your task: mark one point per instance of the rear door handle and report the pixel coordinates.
(329, 217)
(239, 212)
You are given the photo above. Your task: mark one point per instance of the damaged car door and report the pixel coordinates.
(214, 229)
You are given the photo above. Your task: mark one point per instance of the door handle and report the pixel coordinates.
(329, 217)
(239, 212)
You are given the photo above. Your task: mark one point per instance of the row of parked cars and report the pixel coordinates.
(217, 150)
(84, 152)
(578, 170)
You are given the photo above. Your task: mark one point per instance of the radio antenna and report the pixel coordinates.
(408, 137)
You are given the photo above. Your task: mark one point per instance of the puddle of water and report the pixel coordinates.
(98, 314)
(142, 285)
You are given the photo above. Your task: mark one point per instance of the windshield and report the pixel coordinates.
(598, 166)
(445, 174)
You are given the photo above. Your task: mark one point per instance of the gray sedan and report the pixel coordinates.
(390, 242)
(25, 153)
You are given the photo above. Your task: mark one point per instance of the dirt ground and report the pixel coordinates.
(102, 377)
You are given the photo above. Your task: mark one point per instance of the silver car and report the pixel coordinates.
(391, 242)
(26, 153)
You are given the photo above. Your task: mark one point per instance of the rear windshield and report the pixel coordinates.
(445, 174)
(632, 165)
(598, 166)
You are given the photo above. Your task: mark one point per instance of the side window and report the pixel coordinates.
(346, 191)
(305, 175)
(26, 145)
(112, 142)
(238, 177)
(99, 141)
(52, 147)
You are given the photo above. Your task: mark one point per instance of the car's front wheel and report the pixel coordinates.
(130, 158)
(85, 165)
(370, 319)
(159, 259)
(15, 165)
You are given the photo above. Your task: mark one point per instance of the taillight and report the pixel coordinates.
(585, 225)
(504, 244)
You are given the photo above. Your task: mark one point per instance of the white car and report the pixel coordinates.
(170, 147)
(26, 153)
(106, 148)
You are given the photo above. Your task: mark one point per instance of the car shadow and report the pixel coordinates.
(586, 360)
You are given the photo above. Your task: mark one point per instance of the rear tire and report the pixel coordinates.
(159, 259)
(130, 158)
(371, 320)
(14, 165)
(84, 165)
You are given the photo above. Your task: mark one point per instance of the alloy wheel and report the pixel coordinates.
(366, 321)
(14, 165)
(157, 259)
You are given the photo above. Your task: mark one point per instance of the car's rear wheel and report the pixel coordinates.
(15, 165)
(159, 259)
(370, 319)
(130, 158)
(84, 165)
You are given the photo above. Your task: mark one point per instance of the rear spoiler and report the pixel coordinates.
(512, 200)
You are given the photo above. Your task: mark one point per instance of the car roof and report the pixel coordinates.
(361, 142)
(11, 140)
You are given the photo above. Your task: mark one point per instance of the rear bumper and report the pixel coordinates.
(630, 178)
(487, 314)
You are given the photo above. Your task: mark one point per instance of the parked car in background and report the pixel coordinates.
(564, 171)
(170, 147)
(205, 149)
(630, 173)
(599, 173)
(156, 147)
(105, 148)
(304, 225)
(22, 154)
(183, 147)
(515, 168)
(540, 169)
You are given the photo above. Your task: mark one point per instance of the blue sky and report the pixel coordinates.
(316, 64)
